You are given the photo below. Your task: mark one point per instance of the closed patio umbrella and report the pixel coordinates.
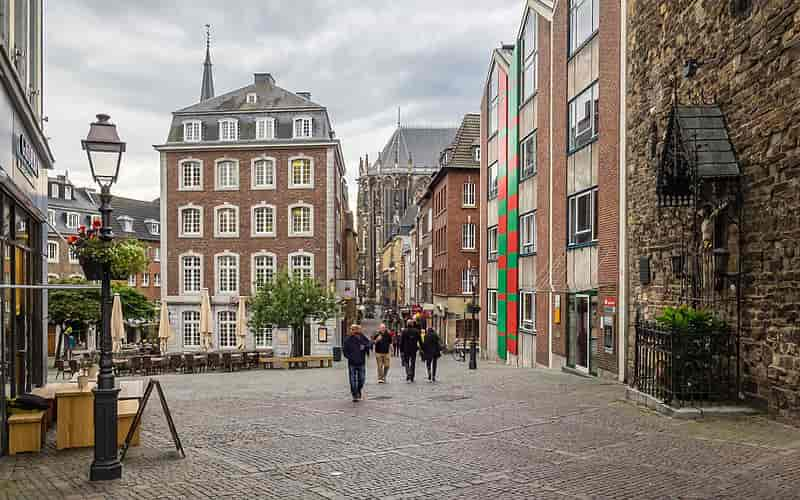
(117, 324)
(205, 320)
(241, 324)
(164, 330)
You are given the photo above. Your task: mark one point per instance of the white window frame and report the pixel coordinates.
(194, 334)
(153, 226)
(217, 229)
(265, 128)
(51, 217)
(310, 183)
(491, 305)
(229, 330)
(530, 56)
(53, 257)
(145, 280)
(252, 98)
(572, 216)
(77, 220)
(253, 177)
(54, 191)
(491, 243)
(526, 323)
(310, 124)
(492, 181)
(525, 155)
(190, 134)
(231, 126)
(466, 281)
(260, 337)
(468, 236)
(254, 269)
(156, 254)
(301, 234)
(476, 153)
(67, 192)
(217, 164)
(592, 125)
(181, 232)
(157, 280)
(71, 256)
(182, 273)
(527, 236)
(182, 166)
(300, 253)
(254, 227)
(217, 273)
(575, 7)
(468, 200)
(132, 280)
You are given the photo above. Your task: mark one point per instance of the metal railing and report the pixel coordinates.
(686, 368)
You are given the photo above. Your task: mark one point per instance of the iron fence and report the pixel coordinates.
(686, 368)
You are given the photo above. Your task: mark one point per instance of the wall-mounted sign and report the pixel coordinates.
(346, 289)
(610, 305)
(322, 334)
(27, 159)
(557, 310)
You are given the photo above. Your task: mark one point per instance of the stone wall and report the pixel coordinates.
(750, 66)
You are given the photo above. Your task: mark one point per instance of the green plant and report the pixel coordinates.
(125, 257)
(685, 319)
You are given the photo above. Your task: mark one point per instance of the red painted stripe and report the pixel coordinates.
(502, 261)
(512, 282)
(513, 202)
(512, 241)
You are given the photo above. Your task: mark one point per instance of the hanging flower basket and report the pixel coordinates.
(92, 269)
(125, 257)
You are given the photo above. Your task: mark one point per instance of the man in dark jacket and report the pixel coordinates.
(382, 341)
(431, 351)
(409, 345)
(354, 349)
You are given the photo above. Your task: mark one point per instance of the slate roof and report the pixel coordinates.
(269, 96)
(462, 155)
(422, 145)
(138, 210)
(704, 134)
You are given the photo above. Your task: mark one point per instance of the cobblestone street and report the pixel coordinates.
(497, 433)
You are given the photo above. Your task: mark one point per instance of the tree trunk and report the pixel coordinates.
(59, 342)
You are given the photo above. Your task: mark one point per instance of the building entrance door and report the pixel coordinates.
(582, 308)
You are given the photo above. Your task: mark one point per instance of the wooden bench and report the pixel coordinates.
(324, 361)
(26, 432)
(303, 361)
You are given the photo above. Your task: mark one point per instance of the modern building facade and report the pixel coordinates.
(551, 184)
(25, 157)
(386, 190)
(252, 182)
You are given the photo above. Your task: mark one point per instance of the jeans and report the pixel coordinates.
(358, 374)
(411, 365)
(431, 365)
(383, 360)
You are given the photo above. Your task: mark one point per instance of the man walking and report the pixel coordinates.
(410, 342)
(354, 349)
(382, 341)
(431, 351)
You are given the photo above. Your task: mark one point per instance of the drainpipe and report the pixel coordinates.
(623, 204)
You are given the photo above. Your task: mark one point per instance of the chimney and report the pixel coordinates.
(263, 79)
(304, 95)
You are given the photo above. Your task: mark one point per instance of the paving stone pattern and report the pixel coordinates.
(498, 433)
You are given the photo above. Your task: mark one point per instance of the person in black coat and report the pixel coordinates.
(354, 349)
(409, 345)
(431, 351)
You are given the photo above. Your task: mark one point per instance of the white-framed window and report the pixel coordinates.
(191, 328)
(191, 175)
(126, 223)
(145, 279)
(476, 153)
(192, 131)
(584, 117)
(530, 56)
(73, 220)
(52, 252)
(527, 230)
(491, 309)
(153, 226)
(494, 98)
(227, 273)
(265, 128)
(491, 243)
(492, 181)
(527, 310)
(301, 220)
(157, 280)
(132, 280)
(303, 127)
(469, 194)
(263, 266)
(73, 257)
(51, 218)
(301, 173)
(227, 177)
(226, 221)
(67, 192)
(252, 98)
(528, 152)
(191, 221)
(263, 337)
(191, 273)
(53, 190)
(301, 264)
(584, 19)
(582, 217)
(228, 129)
(262, 220)
(157, 254)
(263, 173)
(226, 321)
(468, 236)
(466, 281)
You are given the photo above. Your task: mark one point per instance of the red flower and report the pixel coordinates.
(81, 228)
(72, 239)
(96, 224)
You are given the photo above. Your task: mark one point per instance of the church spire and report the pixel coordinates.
(207, 90)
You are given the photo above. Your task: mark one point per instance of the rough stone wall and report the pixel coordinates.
(750, 66)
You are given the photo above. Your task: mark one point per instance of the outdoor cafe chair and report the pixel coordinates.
(175, 362)
(213, 361)
(227, 362)
(60, 369)
(73, 367)
(147, 365)
(188, 363)
(136, 365)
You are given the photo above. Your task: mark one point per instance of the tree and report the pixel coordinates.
(135, 306)
(291, 301)
(72, 307)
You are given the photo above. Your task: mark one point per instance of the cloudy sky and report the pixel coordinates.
(140, 60)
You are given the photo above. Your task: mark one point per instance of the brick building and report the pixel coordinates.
(455, 230)
(550, 186)
(252, 182)
(733, 68)
(423, 246)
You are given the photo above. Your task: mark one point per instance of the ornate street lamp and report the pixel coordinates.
(474, 281)
(104, 149)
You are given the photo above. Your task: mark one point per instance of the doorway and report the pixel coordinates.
(582, 311)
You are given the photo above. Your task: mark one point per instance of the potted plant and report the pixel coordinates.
(126, 257)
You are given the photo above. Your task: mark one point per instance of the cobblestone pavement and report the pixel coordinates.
(497, 433)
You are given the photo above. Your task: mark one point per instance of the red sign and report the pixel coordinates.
(610, 302)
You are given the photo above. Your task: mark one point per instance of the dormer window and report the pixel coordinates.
(192, 131)
(303, 127)
(153, 226)
(476, 153)
(67, 192)
(53, 190)
(228, 130)
(126, 223)
(252, 98)
(265, 128)
(51, 218)
(73, 220)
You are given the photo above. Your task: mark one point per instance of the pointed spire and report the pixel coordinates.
(207, 89)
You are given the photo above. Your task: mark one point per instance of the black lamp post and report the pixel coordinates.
(474, 281)
(104, 149)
